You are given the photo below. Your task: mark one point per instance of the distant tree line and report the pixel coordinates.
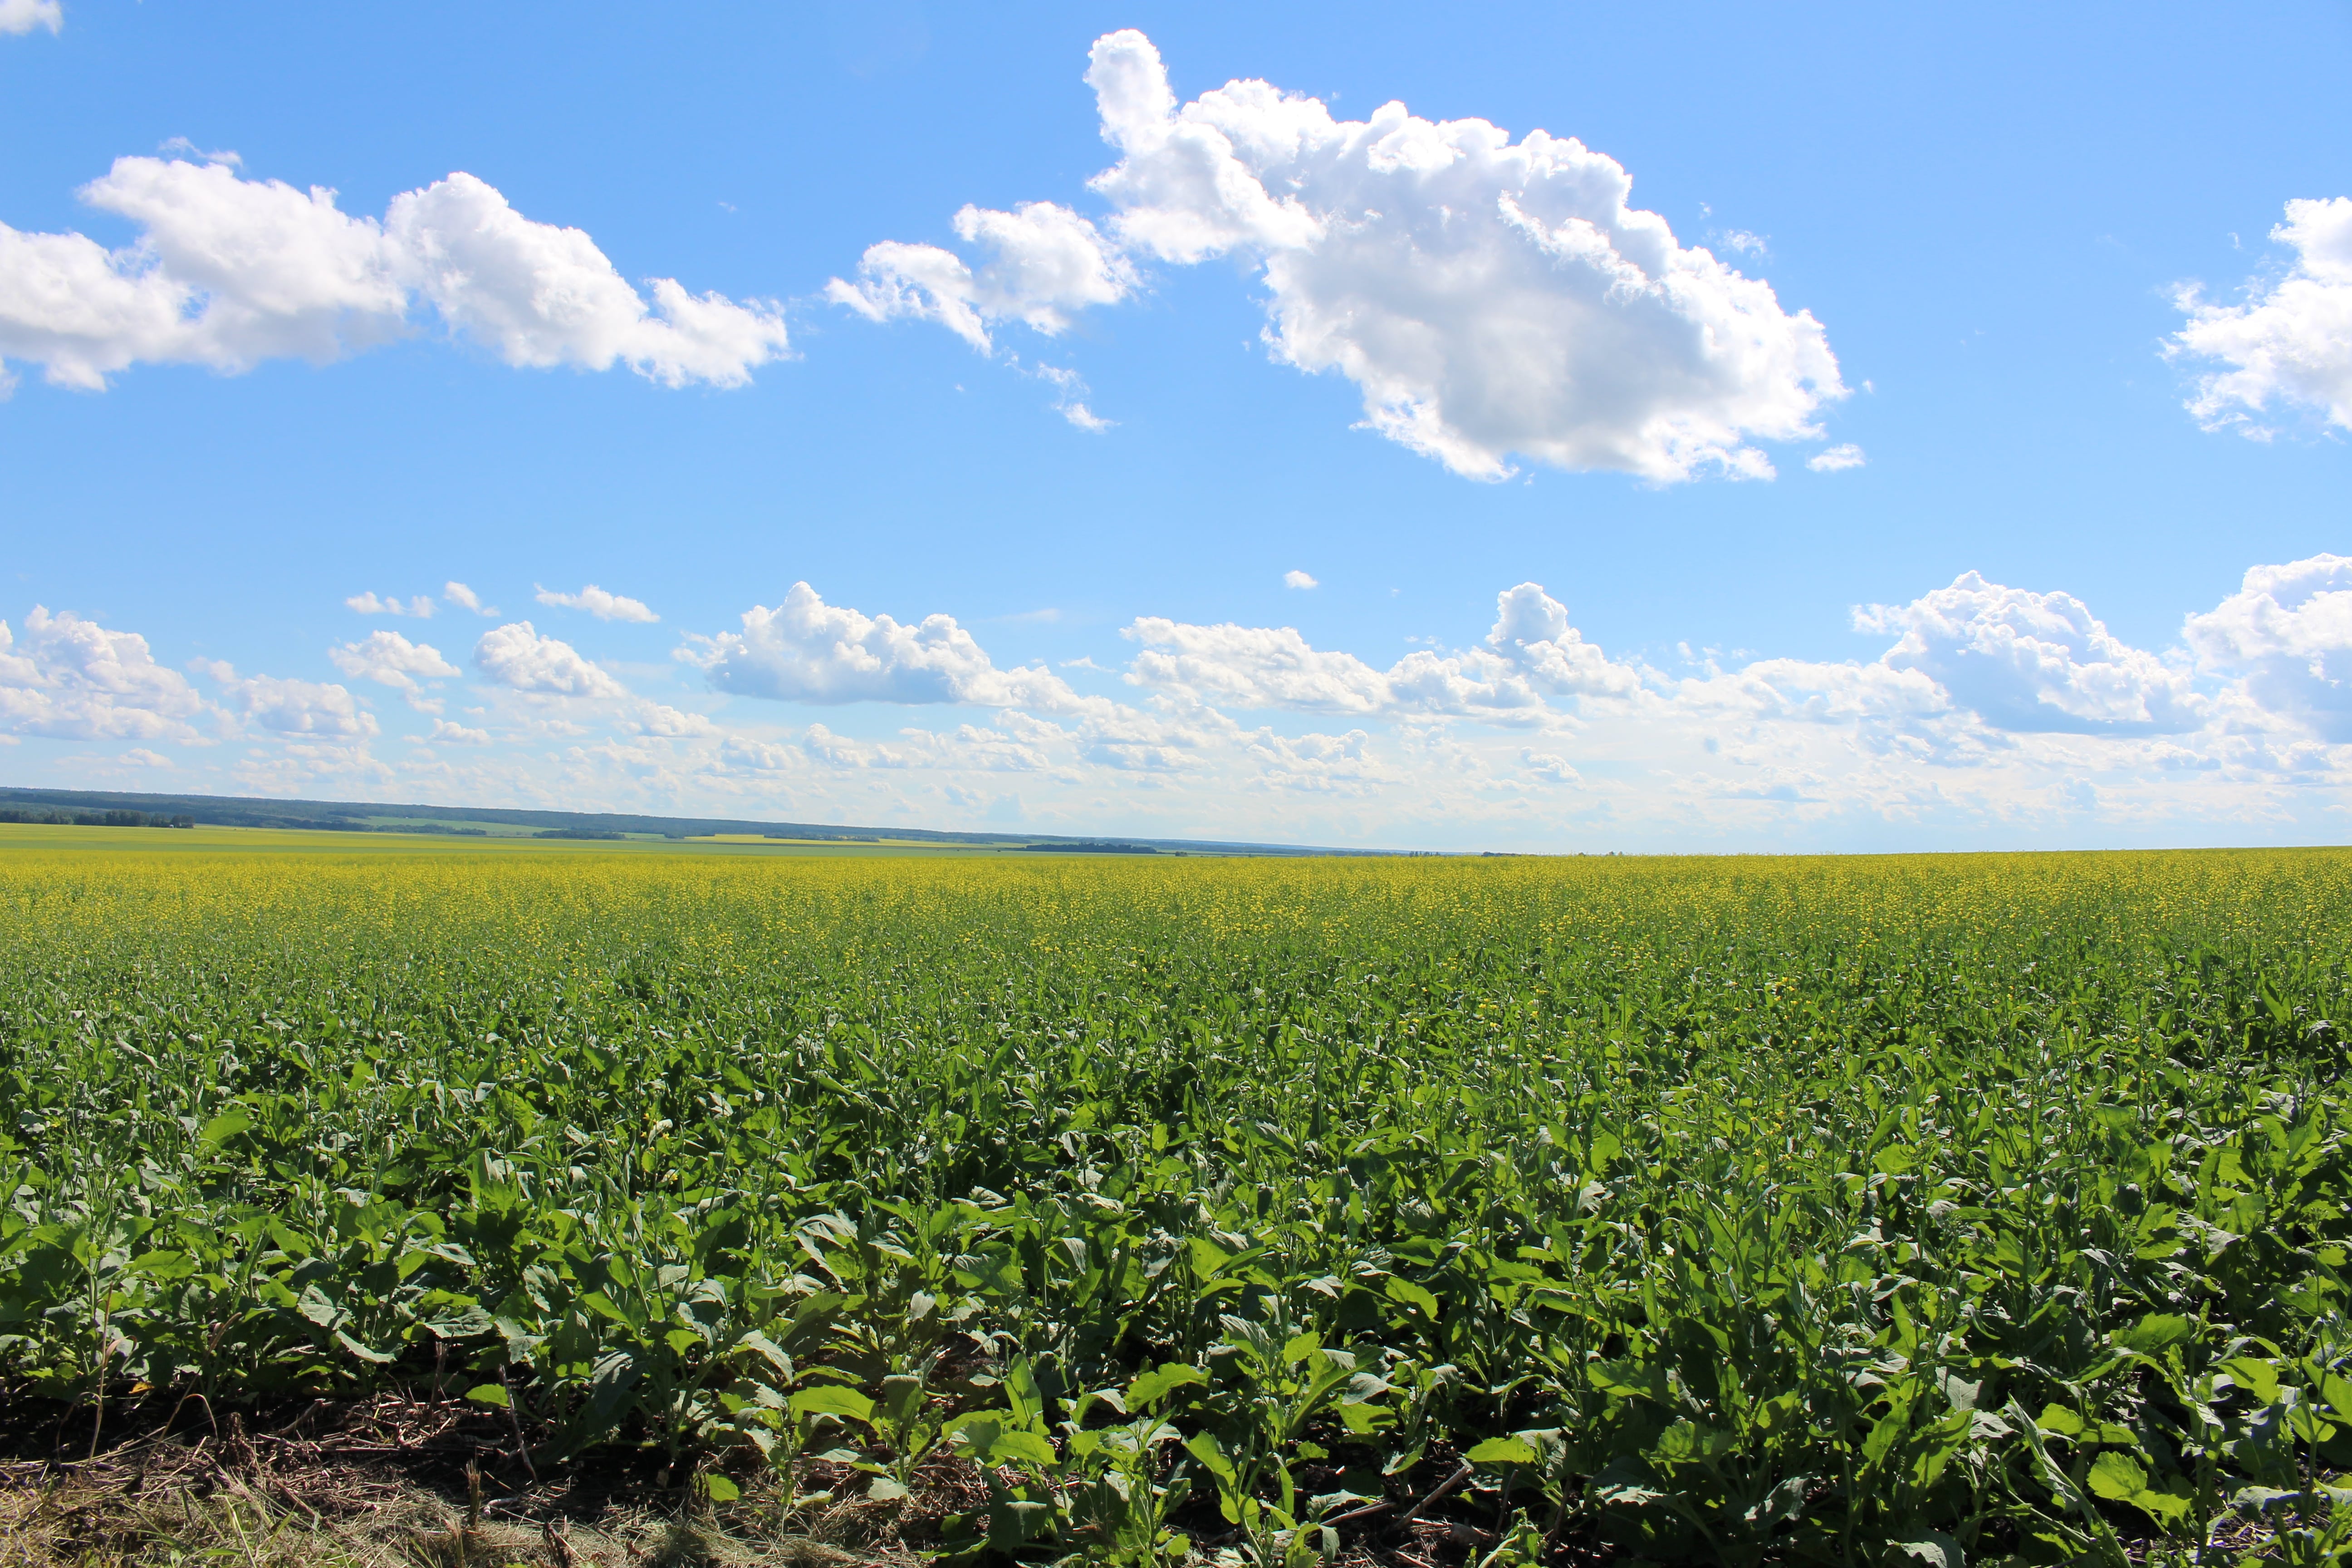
(54, 818)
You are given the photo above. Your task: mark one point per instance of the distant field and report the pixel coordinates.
(42, 837)
(1860, 1211)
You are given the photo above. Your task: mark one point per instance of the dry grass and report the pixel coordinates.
(78, 1522)
(396, 1482)
(415, 1479)
(224, 1499)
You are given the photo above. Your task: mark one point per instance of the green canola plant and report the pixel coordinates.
(1870, 1211)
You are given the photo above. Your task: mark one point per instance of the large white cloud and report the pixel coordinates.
(517, 655)
(805, 650)
(306, 708)
(24, 15)
(2029, 662)
(2287, 635)
(2291, 341)
(1489, 298)
(539, 295)
(70, 678)
(228, 273)
(390, 659)
(1531, 652)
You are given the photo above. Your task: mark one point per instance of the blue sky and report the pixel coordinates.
(1636, 518)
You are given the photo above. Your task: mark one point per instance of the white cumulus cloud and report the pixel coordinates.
(1531, 652)
(228, 273)
(1836, 460)
(447, 733)
(2291, 341)
(2287, 635)
(1045, 263)
(24, 15)
(2032, 662)
(540, 296)
(669, 723)
(517, 655)
(805, 650)
(1298, 579)
(1491, 299)
(604, 606)
(390, 659)
(73, 680)
(305, 708)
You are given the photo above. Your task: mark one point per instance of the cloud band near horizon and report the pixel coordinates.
(1988, 706)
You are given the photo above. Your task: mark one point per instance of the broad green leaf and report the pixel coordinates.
(2059, 1421)
(223, 1127)
(462, 1324)
(1208, 1257)
(767, 1350)
(832, 1399)
(1626, 1481)
(1029, 1448)
(599, 1303)
(1412, 1295)
(1022, 1392)
(614, 1379)
(2118, 1476)
(2256, 1376)
(315, 1306)
(2154, 1331)
(2337, 1391)
(488, 1393)
(1963, 1394)
(1204, 1448)
(1157, 1384)
(1629, 1379)
(1888, 1430)
(902, 1396)
(1502, 1451)
(1689, 1440)
(1933, 1548)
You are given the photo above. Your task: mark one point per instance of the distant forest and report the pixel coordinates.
(57, 818)
(101, 808)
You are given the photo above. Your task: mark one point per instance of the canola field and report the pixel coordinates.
(1858, 1211)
